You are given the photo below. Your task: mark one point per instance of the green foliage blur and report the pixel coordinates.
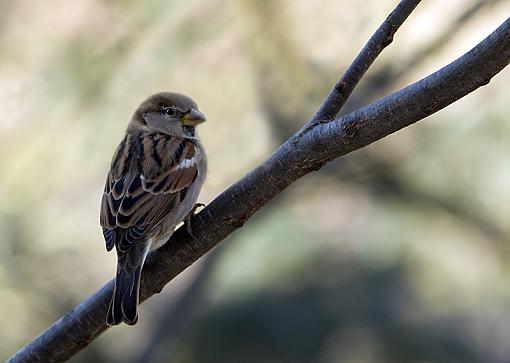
(397, 253)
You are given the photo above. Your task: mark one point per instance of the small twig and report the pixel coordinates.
(442, 40)
(343, 88)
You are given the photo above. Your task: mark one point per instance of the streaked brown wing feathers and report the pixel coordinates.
(144, 184)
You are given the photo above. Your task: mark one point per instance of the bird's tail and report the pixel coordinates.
(124, 304)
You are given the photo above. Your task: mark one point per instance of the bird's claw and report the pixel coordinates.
(187, 221)
(197, 205)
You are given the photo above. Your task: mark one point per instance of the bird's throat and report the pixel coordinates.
(189, 131)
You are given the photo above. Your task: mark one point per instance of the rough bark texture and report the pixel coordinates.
(308, 150)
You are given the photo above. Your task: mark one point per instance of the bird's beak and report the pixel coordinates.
(192, 118)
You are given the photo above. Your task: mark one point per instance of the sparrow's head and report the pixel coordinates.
(171, 113)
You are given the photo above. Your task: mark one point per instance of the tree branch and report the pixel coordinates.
(378, 83)
(351, 77)
(306, 151)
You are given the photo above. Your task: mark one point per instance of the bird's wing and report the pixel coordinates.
(149, 176)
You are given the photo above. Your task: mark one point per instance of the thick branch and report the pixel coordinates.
(304, 152)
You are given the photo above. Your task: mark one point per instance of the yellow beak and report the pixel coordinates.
(192, 118)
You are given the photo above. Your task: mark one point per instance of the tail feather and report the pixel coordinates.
(131, 296)
(124, 304)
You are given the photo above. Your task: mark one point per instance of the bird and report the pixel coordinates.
(153, 184)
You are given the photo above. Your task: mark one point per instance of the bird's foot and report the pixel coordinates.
(187, 221)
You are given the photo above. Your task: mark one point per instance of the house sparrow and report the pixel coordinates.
(153, 184)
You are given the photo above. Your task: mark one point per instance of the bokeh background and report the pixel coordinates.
(396, 253)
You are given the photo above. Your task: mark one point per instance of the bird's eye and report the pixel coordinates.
(170, 111)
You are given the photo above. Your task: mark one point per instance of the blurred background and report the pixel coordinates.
(396, 253)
